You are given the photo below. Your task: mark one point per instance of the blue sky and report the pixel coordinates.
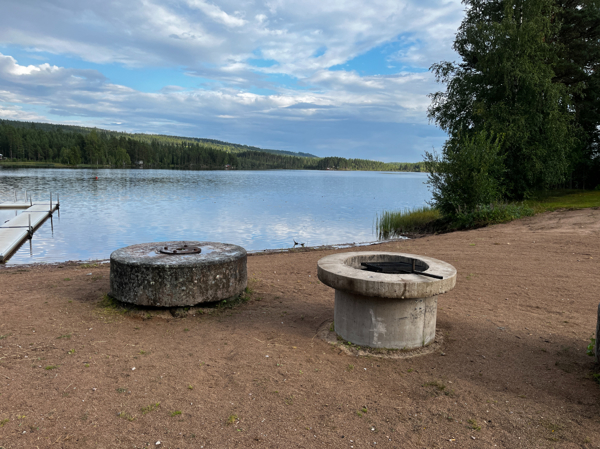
(338, 78)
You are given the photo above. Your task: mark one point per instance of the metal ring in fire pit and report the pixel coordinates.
(180, 249)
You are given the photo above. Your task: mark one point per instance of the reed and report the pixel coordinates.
(395, 224)
(428, 220)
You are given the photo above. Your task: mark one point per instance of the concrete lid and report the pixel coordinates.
(341, 271)
(146, 254)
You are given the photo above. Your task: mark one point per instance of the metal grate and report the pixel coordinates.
(413, 267)
(180, 249)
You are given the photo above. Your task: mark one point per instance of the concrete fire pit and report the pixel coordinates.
(176, 274)
(381, 310)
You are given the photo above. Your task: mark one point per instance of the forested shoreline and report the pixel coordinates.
(75, 146)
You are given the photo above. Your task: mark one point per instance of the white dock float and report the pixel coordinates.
(18, 206)
(23, 206)
(40, 207)
(15, 231)
(10, 240)
(23, 220)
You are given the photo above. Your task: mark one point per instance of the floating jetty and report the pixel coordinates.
(20, 228)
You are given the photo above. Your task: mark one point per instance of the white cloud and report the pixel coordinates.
(193, 33)
(345, 99)
(216, 13)
(9, 65)
(217, 41)
(12, 112)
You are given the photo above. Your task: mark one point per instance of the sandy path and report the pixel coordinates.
(514, 374)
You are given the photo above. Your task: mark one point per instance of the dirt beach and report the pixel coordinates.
(512, 370)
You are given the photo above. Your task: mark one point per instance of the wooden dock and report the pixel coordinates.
(20, 228)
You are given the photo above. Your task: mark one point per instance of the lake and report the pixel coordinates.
(254, 209)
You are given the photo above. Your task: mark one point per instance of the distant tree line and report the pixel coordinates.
(53, 144)
(257, 160)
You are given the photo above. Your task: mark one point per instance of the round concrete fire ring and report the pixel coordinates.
(382, 310)
(177, 274)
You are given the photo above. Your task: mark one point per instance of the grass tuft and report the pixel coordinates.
(88, 265)
(417, 220)
(150, 408)
(439, 387)
(109, 308)
(474, 425)
(232, 419)
(126, 416)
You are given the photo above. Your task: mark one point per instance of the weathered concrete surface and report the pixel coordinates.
(382, 310)
(343, 272)
(141, 275)
(385, 322)
(597, 345)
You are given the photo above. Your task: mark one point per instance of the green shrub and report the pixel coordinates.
(468, 174)
(591, 347)
(490, 214)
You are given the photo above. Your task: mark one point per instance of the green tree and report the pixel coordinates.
(93, 148)
(504, 86)
(121, 157)
(467, 174)
(65, 156)
(75, 155)
(578, 67)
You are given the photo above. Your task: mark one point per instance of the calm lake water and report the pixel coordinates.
(254, 209)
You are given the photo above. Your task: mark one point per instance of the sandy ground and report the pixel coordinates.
(514, 371)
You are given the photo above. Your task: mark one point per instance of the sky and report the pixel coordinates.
(342, 78)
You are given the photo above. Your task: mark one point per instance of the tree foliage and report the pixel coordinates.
(467, 174)
(578, 67)
(512, 82)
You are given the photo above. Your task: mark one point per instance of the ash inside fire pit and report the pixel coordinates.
(176, 274)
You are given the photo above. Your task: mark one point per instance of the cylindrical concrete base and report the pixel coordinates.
(392, 323)
(142, 275)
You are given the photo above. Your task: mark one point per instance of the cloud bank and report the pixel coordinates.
(343, 78)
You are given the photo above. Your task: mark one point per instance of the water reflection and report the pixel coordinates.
(253, 209)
